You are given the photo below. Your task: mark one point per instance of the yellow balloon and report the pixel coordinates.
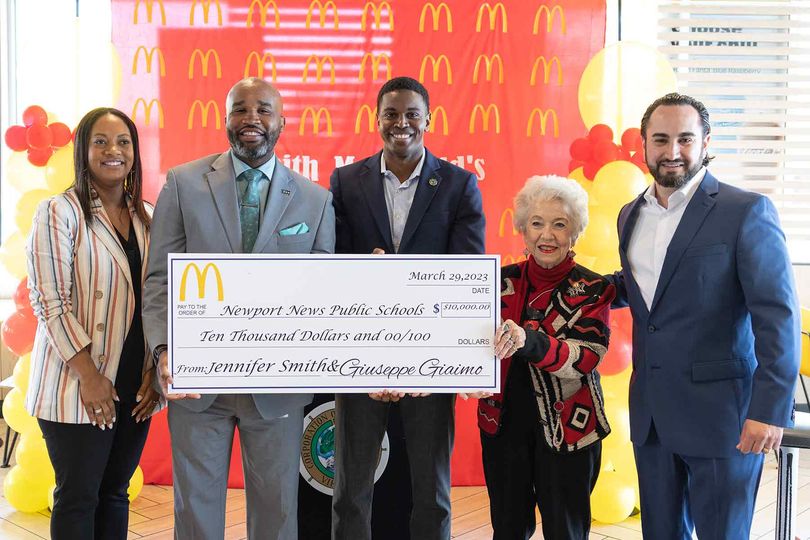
(613, 498)
(135, 484)
(12, 255)
(22, 175)
(15, 414)
(619, 419)
(616, 184)
(600, 241)
(24, 494)
(32, 453)
(27, 207)
(617, 386)
(805, 367)
(578, 175)
(22, 369)
(59, 173)
(604, 98)
(50, 497)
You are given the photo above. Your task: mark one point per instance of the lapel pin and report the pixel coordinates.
(285, 191)
(433, 182)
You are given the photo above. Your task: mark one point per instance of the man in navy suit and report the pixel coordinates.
(400, 200)
(706, 273)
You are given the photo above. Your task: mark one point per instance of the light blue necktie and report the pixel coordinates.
(249, 208)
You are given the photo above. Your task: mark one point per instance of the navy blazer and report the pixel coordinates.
(720, 342)
(446, 216)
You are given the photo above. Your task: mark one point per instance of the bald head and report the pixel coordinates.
(255, 120)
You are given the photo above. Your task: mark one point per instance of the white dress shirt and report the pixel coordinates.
(399, 198)
(653, 232)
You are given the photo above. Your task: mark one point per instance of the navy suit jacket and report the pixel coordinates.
(446, 216)
(720, 343)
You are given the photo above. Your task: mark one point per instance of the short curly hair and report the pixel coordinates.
(573, 197)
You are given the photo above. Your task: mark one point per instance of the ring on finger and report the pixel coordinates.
(97, 411)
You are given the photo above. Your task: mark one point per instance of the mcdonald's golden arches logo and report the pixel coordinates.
(507, 220)
(149, 5)
(436, 13)
(436, 63)
(206, 8)
(435, 114)
(489, 62)
(204, 110)
(319, 62)
(550, 13)
(377, 12)
(205, 59)
(508, 259)
(260, 61)
(147, 111)
(316, 120)
(546, 70)
(365, 110)
(201, 276)
(543, 116)
(322, 13)
(148, 55)
(263, 9)
(375, 66)
(492, 13)
(485, 114)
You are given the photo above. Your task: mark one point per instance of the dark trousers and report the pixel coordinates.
(521, 471)
(93, 468)
(681, 493)
(360, 424)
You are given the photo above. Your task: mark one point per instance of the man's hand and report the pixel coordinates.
(166, 379)
(146, 398)
(378, 251)
(474, 395)
(759, 438)
(386, 396)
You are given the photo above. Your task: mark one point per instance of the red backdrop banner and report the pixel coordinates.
(502, 78)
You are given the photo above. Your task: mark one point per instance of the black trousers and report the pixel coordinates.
(521, 471)
(93, 468)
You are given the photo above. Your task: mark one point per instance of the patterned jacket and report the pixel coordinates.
(565, 341)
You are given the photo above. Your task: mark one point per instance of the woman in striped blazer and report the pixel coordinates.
(91, 377)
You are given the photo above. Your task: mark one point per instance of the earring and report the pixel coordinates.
(525, 252)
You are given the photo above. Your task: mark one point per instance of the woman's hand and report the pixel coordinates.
(474, 395)
(99, 397)
(509, 338)
(147, 398)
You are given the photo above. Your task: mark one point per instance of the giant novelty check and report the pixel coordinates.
(333, 323)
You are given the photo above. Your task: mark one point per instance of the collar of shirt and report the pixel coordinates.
(240, 166)
(680, 197)
(415, 174)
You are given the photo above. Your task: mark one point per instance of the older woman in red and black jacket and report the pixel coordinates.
(541, 436)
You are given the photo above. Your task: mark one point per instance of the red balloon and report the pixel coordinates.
(61, 134)
(590, 169)
(620, 352)
(15, 138)
(631, 139)
(39, 157)
(639, 161)
(624, 154)
(581, 149)
(605, 151)
(35, 115)
(39, 137)
(19, 331)
(600, 132)
(20, 295)
(575, 164)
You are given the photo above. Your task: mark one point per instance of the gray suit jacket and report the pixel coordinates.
(198, 212)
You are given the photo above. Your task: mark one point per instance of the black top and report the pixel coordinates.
(130, 368)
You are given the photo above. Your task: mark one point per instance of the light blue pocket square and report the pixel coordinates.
(300, 228)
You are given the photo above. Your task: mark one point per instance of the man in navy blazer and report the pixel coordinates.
(706, 273)
(400, 200)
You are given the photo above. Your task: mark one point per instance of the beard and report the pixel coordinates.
(673, 180)
(253, 152)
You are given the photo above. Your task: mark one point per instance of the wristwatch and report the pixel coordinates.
(156, 352)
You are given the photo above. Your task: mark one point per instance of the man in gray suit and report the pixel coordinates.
(241, 201)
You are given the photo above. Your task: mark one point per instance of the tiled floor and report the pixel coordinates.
(151, 513)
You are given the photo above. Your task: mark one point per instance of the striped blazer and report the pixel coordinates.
(82, 295)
